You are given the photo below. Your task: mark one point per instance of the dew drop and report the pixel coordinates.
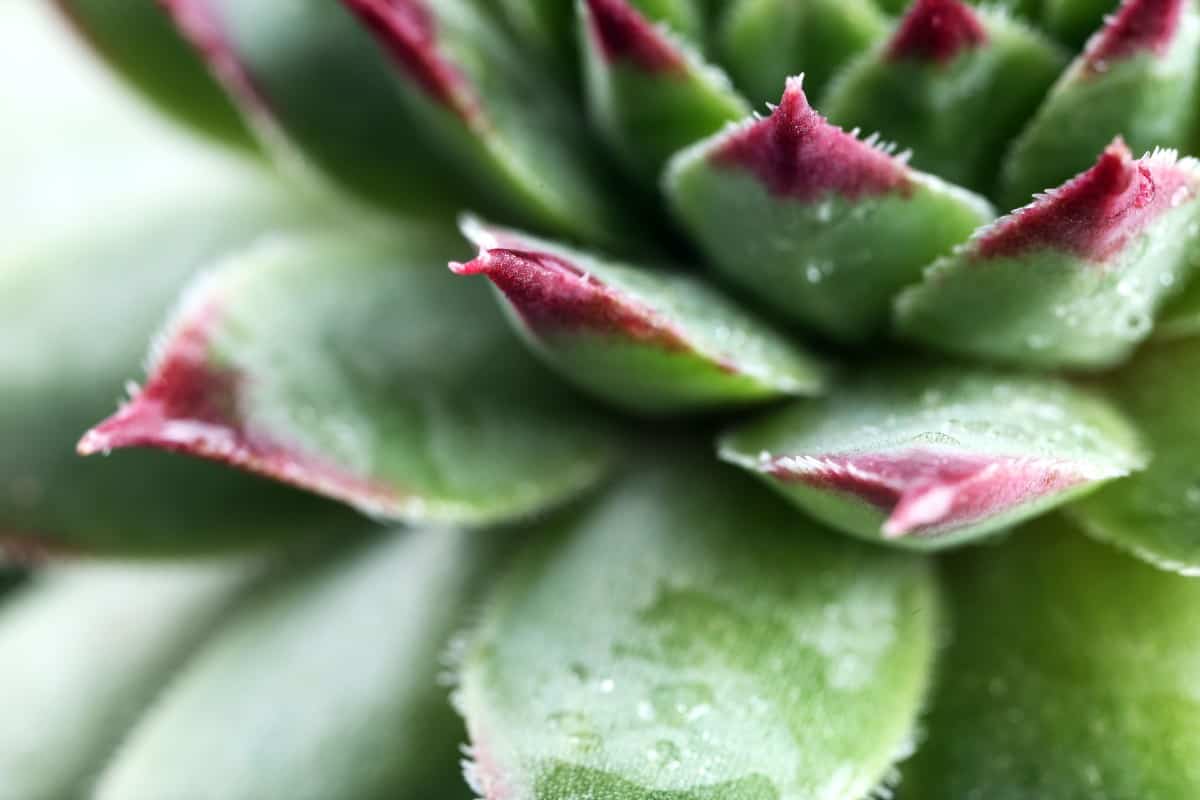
(681, 703)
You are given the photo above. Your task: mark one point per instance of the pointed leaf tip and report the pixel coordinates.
(798, 154)
(641, 338)
(1095, 214)
(1139, 26)
(407, 29)
(623, 34)
(936, 30)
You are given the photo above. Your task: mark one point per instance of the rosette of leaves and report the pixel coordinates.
(446, 389)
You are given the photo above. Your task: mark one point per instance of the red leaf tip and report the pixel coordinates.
(1095, 213)
(199, 22)
(407, 29)
(926, 491)
(936, 30)
(798, 154)
(1139, 26)
(623, 34)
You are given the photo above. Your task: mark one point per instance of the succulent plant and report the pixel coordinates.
(523, 405)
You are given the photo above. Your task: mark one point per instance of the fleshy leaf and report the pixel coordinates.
(1074, 20)
(138, 41)
(86, 647)
(1071, 675)
(1137, 78)
(112, 217)
(650, 341)
(1180, 318)
(353, 365)
(953, 84)
(410, 103)
(1156, 515)
(761, 41)
(1072, 280)
(816, 223)
(649, 93)
(324, 686)
(928, 458)
(689, 638)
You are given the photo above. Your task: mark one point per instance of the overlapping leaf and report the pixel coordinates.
(1075, 278)
(647, 340)
(687, 637)
(814, 222)
(323, 687)
(952, 84)
(1071, 676)
(352, 364)
(926, 458)
(1137, 78)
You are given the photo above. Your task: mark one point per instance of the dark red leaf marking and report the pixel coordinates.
(189, 405)
(552, 296)
(927, 491)
(1139, 26)
(797, 154)
(623, 34)
(407, 29)
(936, 30)
(1096, 213)
(200, 23)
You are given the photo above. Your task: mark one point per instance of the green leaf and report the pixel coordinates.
(815, 223)
(422, 106)
(1074, 20)
(86, 648)
(953, 85)
(1071, 676)
(925, 458)
(648, 92)
(323, 687)
(1180, 318)
(350, 363)
(1137, 79)
(1156, 515)
(1072, 280)
(650, 341)
(137, 40)
(113, 217)
(762, 41)
(688, 638)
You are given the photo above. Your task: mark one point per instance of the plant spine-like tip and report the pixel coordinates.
(199, 22)
(1139, 26)
(552, 295)
(924, 491)
(623, 34)
(191, 407)
(936, 30)
(1096, 213)
(796, 153)
(407, 29)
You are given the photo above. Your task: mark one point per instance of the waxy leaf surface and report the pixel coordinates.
(815, 223)
(926, 458)
(648, 92)
(1074, 279)
(1137, 79)
(86, 647)
(416, 104)
(687, 637)
(1071, 675)
(354, 365)
(138, 40)
(107, 219)
(952, 84)
(1156, 514)
(644, 339)
(761, 41)
(324, 686)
